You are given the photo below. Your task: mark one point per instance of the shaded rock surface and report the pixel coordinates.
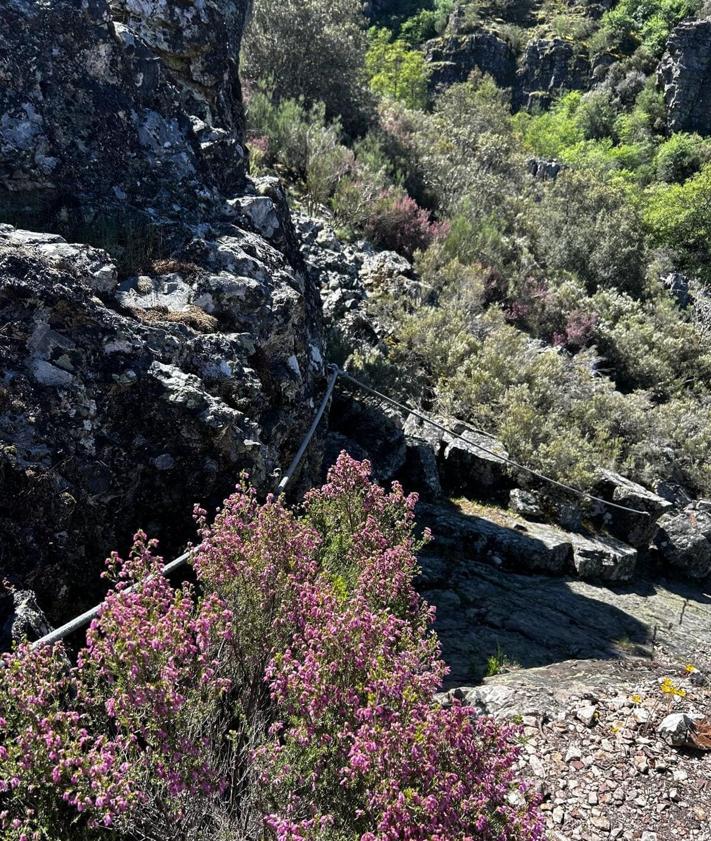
(685, 76)
(684, 540)
(25, 619)
(138, 377)
(638, 525)
(501, 537)
(454, 57)
(548, 67)
(124, 104)
(536, 620)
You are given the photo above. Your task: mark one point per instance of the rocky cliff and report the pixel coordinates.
(685, 75)
(180, 342)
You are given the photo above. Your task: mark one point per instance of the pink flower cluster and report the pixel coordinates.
(290, 693)
(358, 746)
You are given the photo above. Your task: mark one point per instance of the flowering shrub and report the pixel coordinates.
(289, 696)
(358, 748)
(397, 222)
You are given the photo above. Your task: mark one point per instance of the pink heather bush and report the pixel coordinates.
(397, 222)
(288, 697)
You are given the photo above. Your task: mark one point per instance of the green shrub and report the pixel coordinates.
(551, 133)
(648, 22)
(591, 230)
(679, 216)
(681, 156)
(311, 49)
(396, 70)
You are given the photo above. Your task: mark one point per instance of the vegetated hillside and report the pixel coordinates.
(549, 167)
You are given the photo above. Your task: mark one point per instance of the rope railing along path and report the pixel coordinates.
(334, 374)
(405, 408)
(85, 618)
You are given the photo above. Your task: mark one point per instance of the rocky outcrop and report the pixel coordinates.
(128, 105)
(549, 67)
(685, 76)
(543, 170)
(121, 405)
(637, 525)
(535, 620)
(453, 58)
(25, 620)
(684, 540)
(502, 538)
(141, 376)
(471, 464)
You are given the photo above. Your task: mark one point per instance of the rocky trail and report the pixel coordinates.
(590, 671)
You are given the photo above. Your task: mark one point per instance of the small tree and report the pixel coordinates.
(313, 49)
(396, 70)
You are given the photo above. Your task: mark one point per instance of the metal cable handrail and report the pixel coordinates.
(85, 618)
(335, 372)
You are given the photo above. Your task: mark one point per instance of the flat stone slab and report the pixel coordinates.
(527, 621)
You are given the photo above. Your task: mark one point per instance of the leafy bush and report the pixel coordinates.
(679, 216)
(648, 22)
(396, 70)
(681, 156)
(291, 698)
(591, 230)
(395, 221)
(311, 49)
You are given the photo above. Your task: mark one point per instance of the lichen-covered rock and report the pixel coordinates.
(638, 525)
(454, 57)
(603, 558)
(131, 104)
(685, 75)
(142, 375)
(548, 67)
(25, 620)
(123, 410)
(684, 541)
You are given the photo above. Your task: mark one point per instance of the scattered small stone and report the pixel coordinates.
(601, 822)
(573, 753)
(676, 729)
(588, 715)
(640, 715)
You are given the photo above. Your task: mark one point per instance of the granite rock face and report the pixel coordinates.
(122, 408)
(161, 333)
(549, 67)
(684, 540)
(134, 104)
(685, 76)
(454, 57)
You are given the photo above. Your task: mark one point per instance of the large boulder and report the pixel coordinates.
(497, 538)
(454, 57)
(120, 409)
(181, 342)
(123, 104)
(549, 67)
(469, 463)
(685, 76)
(602, 558)
(684, 540)
(638, 525)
